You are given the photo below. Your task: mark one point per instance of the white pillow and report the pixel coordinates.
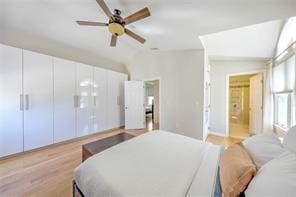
(276, 178)
(290, 140)
(263, 147)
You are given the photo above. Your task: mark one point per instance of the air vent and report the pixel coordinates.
(154, 48)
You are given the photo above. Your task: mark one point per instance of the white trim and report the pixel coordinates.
(278, 127)
(159, 95)
(233, 58)
(216, 133)
(263, 71)
(283, 92)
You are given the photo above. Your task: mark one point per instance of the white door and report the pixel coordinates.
(84, 81)
(64, 97)
(38, 100)
(11, 111)
(99, 97)
(256, 103)
(134, 94)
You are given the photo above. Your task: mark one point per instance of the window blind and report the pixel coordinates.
(284, 76)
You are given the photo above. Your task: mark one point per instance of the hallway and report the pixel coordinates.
(150, 125)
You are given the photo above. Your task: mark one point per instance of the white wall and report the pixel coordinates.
(181, 76)
(57, 49)
(219, 72)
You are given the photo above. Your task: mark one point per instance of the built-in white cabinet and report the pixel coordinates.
(112, 94)
(84, 113)
(65, 99)
(11, 105)
(38, 100)
(115, 99)
(122, 79)
(46, 100)
(100, 100)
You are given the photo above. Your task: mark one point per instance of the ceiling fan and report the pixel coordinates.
(116, 24)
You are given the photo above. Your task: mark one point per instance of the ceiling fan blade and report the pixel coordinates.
(105, 8)
(137, 16)
(89, 23)
(113, 41)
(135, 36)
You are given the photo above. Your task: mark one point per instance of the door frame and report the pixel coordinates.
(159, 94)
(263, 71)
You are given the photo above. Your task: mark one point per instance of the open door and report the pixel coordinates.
(256, 103)
(134, 92)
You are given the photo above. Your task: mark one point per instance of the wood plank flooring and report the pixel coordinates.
(46, 172)
(222, 141)
(49, 171)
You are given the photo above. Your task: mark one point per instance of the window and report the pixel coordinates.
(281, 110)
(283, 90)
(288, 35)
(283, 79)
(150, 100)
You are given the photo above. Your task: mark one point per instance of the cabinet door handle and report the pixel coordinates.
(27, 102)
(118, 100)
(75, 101)
(21, 102)
(78, 101)
(95, 101)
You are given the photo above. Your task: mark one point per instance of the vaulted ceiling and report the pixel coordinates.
(255, 41)
(173, 25)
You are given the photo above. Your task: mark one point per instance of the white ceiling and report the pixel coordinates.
(255, 41)
(174, 24)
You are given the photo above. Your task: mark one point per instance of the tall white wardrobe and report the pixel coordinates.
(46, 100)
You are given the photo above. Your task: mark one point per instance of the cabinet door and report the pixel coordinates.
(113, 92)
(38, 100)
(99, 94)
(84, 83)
(64, 98)
(122, 79)
(11, 114)
(116, 99)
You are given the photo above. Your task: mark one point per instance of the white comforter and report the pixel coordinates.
(157, 163)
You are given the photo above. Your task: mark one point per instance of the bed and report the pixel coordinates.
(157, 163)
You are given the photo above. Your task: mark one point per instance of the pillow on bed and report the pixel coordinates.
(263, 147)
(276, 178)
(290, 140)
(236, 170)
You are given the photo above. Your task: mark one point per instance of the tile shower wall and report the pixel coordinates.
(239, 91)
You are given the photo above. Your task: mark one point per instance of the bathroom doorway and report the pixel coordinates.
(245, 104)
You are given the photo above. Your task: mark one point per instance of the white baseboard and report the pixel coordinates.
(218, 134)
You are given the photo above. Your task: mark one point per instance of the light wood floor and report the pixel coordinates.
(49, 171)
(222, 141)
(46, 172)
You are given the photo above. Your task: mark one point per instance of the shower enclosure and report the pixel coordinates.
(239, 101)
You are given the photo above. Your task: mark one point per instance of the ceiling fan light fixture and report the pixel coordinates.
(116, 24)
(116, 29)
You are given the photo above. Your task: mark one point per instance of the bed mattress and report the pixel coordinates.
(157, 163)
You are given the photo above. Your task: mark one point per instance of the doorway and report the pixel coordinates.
(245, 105)
(152, 104)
